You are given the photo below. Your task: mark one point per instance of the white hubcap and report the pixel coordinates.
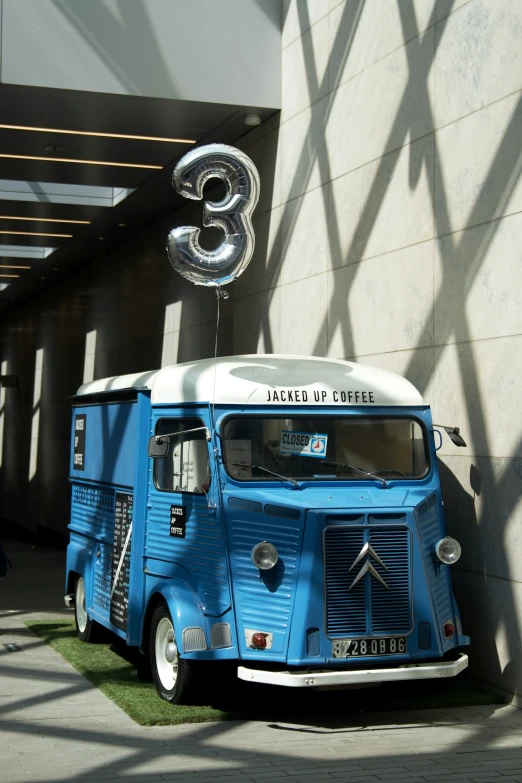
(81, 612)
(166, 652)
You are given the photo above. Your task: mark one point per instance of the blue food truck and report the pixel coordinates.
(282, 513)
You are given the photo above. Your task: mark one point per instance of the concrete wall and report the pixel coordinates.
(393, 237)
(198, 50)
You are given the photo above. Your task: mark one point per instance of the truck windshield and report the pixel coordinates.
(323, 448)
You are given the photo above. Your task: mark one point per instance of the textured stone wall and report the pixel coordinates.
(392, 235)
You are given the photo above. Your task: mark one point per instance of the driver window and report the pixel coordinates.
(186, 467)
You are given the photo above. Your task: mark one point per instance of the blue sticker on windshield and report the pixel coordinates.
(304, 444)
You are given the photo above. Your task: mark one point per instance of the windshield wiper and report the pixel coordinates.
(360, 471)
(260, 467)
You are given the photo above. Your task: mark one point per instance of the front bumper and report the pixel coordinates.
(413, 671)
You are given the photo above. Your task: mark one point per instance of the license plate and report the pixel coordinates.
(351, 648)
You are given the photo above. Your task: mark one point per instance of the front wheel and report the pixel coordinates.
(173, 676)
(87, 630)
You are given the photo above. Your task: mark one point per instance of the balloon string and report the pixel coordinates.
(218, 296)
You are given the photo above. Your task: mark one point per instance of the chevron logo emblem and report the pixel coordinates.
(368, 568)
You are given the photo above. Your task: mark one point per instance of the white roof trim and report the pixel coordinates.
(267, 380)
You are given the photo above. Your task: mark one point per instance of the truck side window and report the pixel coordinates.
(186, 467)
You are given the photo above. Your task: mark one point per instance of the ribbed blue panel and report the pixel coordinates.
(391, 610)
(263, 599)
(101, 598)
(92, 511)
(430, 531)
(367, 608)
(202, 551)
(345, 608)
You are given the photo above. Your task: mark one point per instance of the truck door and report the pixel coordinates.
(184, 525)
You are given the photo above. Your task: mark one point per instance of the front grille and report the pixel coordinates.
(368, 608)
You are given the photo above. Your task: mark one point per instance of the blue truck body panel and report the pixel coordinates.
(207, 577)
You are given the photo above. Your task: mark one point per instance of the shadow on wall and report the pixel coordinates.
(462, 523)
(109, 37)
(169, 49)
(489, 574)
(477, 514)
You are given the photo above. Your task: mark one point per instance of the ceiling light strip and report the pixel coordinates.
(96, 133)
(9, 275)
(44, 219)
(84, 162)
(34, 234)
(14, 266)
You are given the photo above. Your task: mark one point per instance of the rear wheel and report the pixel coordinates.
(87, 630)
(173, 676)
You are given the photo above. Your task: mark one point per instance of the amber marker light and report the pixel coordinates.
(44, 219)
(131, 136)
(35, 234)
(84, 162)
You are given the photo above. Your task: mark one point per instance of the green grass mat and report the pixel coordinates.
(111, 668)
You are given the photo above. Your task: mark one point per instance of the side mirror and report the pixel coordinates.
(158, 446)
(455, 436)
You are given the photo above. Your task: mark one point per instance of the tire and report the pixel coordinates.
(173, 676)
(87, 630)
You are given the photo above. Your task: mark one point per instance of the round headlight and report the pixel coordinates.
(265, 556)
(448, 550)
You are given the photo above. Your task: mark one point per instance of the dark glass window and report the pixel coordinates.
(186, 467)
(393, 448)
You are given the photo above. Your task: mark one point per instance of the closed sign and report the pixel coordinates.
(305, 444)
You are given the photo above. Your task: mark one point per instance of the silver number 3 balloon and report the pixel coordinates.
(233, 215)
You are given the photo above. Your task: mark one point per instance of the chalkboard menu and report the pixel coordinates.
(80, 422)
(121, 560)
(178, 521)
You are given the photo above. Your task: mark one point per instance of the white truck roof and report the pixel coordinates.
(267, 380)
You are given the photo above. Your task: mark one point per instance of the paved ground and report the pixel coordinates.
(54, 726)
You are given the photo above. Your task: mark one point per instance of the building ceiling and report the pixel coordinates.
(78, 169)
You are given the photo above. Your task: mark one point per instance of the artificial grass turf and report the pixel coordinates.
(112, 668)
(105, 666)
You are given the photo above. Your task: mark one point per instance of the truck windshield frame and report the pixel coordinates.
(395, 448)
